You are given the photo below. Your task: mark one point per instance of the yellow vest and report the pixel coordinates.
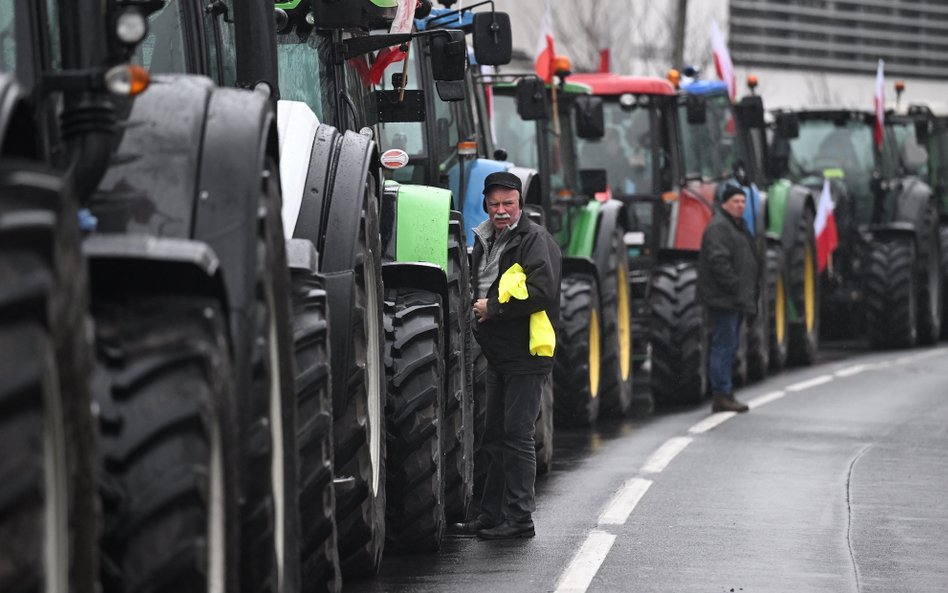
(513, 283)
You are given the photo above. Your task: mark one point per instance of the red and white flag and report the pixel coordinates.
(545, 52)
(722, 60)
(402, 23)
(880, 103)
(824, 226)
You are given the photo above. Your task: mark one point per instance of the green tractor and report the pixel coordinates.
(193, 373)
(593, 373)
(885, 275)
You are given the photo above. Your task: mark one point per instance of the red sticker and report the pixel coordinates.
(394, 158)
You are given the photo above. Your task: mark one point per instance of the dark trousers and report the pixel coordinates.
(513, 404)
(725, 325)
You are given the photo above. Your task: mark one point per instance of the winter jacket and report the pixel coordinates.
(728, 266)
(505, 335)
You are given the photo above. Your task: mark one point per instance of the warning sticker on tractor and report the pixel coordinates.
(394, 158)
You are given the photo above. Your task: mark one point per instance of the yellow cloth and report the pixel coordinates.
(513, 283)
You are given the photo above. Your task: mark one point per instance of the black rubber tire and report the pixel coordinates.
(45, 404)
(943, 236)
(615, 300)
(480, 413)
(319, 555)
(758, 334)
(576, 386)
(801, 260)
(168, 444)
(930, 281)
(891, 303)
(458, 427)
(776, 279)
(678, 331)
(359, 417)
(543, 436)
(414, 368)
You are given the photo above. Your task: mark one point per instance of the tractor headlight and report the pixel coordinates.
(131, 27)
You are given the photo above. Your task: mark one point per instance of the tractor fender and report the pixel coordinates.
(153, 265)
(887, 230)
(414, 223)
(611, 216)
(16, 120)
(580, 265)
(913, 202)
(151, 184)
(297, 125)
(799, 198)
(675, 255)
(424, 276)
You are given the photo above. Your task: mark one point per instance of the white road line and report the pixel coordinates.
(809, 383)
(623, 503)
(765, 399)
(585, 564)
(660, 459)
(710, 422)
(852, 370)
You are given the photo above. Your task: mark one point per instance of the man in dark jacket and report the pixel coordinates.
(508, 244)
(728, 284)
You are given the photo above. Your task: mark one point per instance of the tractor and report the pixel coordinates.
(178, 229)
(885, 275)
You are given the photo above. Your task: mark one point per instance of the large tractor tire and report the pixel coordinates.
(891, 303)
(758, 331)
(804, 293)
(458, 428)
(359, 419)
(415, 366)
(930, 281)
(168, 444)
(678, 331)
(48, 492)
(616, 303)
(943, 236)
(319, 555)
(543, 436)
(576, 370)
(775, 278)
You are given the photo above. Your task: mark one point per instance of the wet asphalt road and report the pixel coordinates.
(836, 481)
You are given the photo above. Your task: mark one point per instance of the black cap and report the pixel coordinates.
(502, 179)
(731, 191)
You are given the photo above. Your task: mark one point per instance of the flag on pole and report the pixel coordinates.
(404, 17)
(605, 49)
(824, 227)
(545, 52)
(880, 103)
(722, 60)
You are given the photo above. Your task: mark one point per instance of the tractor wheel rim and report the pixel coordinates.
(624, 325)
(809, 289)
(594, 353)
(373, 383)
(780, 311)
(56, 479)
(216, 516)
(277, 472)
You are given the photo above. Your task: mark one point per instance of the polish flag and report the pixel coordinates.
(824, 226)
(880, 103)
(545, 52)
(402, 23)
(722, 60)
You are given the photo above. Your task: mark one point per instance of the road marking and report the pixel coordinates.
(711, 421)
(765, 399)
(809, 383)
(622, 504)
(852, 370)
(660, 459)
(585, 564)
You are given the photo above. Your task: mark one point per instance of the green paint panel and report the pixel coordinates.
(421, 224)
(385, 3)
(777, 195)
(834, 173)
(584, 231)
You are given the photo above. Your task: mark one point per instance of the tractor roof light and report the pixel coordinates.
(131, 26)
(127, 79)
(899, 86)
(674, 77)
(752, 81)
(627, 100)
(562, 66)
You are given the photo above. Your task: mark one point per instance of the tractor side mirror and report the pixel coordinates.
(592, 181)
(448, 55)
(389, 106)
(590, 118)
(531, 99)
(750, 112)
(696, 110)
(921, 132)
(493, 39)
(788, 125)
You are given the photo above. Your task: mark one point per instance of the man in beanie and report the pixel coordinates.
(728, 284)
(516, 277)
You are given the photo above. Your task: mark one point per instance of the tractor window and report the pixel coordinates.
(711, 148)
(299, 67)
(912, 155)
(407, 136)
(446, 133)
(938, 145)
(164, 50)
(221, 47)
(626, 150)
(516, 136)
(7, 37)
(828, 145)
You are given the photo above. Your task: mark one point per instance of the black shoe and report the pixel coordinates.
(725, 403)
(472, 527)
(509, 530)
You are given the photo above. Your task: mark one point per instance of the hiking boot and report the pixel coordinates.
(727, 403)
(509, 530)
(473, 527)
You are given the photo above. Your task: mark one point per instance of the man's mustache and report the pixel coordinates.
(503, 216)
